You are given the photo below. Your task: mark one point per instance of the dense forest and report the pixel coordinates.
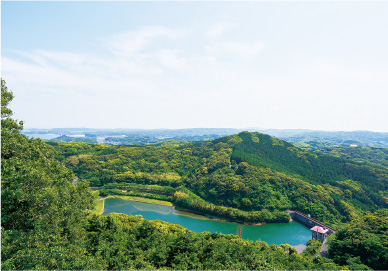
(46, 221)
(363, 242)
(339, 138)
(377, 157)
(249, 177)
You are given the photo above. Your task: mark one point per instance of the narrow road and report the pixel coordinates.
(324, 252)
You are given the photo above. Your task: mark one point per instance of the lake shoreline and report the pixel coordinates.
(207, 216)
(274, 234)
(136, 200)
(218, 218)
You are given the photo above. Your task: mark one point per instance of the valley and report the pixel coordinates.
(249, 177)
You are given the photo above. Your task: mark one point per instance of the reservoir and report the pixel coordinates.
(292, 233)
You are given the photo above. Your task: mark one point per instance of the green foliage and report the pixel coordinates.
(42, 212)
(119, 241)
(101, 164)
(250, 172)
(363, 242)
(313, 140)
(312, 248)
(293, 161)
(64, 138)
(170, 142)
(9, 126)
(362, 155)
(6, 98)
(159, 193)
(186, 199)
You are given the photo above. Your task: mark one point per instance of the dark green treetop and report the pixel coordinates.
(42, 212)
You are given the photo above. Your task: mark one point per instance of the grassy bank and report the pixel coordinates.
(145, 200)
(99, 209)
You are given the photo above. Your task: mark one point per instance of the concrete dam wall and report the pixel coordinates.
(308, 221)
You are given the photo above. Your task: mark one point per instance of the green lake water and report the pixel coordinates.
(292, 233)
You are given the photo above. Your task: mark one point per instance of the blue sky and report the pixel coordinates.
(313, 65)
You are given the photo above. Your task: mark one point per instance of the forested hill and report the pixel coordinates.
(265, 151)
(248, 176)
(46, 222)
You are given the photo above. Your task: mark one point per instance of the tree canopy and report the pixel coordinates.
(363, 242)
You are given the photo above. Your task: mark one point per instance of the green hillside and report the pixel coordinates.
(249, 177)
(377, 157)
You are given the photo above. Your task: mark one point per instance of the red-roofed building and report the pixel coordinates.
(319, 233)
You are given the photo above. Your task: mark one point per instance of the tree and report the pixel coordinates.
(6, 98)
(363, 242)
(42, 212)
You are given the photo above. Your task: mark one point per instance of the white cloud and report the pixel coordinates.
(246, 51)
(129, 43)
(170, 59)
(217, 30)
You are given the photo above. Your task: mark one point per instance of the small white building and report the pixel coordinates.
(319, 233)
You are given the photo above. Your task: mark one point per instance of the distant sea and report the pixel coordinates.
(42, 136)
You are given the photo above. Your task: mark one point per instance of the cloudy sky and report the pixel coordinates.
(312, 65)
